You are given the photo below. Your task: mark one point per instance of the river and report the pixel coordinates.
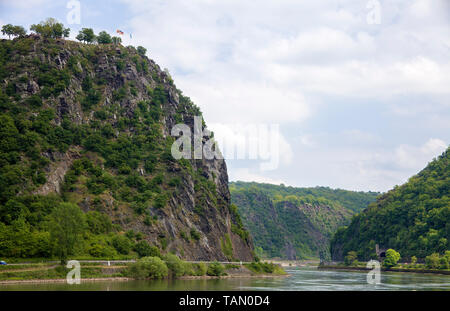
(301, 279)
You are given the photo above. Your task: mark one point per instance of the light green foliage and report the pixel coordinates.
(432, 261)
(67, 222)
(265, 267)
(200, 268)
(227, 246)
(392, 257)
(216, 269)
(175, 264)
(148, 267)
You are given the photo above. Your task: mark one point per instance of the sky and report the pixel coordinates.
(360, 90)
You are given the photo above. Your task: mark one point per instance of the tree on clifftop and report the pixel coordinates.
(50, 28)
(11, 30)
(86, 35)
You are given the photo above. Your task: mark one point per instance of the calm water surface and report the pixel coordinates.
(301, 279)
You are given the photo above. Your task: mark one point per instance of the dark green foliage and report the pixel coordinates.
(104, 38)
(195, 235)
(143, 249)
(122, 244)
(350, 258)
(141, 50)
(413, 218)
(11, 30)
(86, 35)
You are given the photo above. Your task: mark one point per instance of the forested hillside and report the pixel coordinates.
(413, 218)
(291, 222)
(85, 156)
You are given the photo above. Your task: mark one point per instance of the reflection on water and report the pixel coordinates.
(301, 279)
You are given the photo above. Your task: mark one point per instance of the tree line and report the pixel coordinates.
(51, 28)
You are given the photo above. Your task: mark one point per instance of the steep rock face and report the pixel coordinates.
(281, 229)
(120, 107)
(295, 222)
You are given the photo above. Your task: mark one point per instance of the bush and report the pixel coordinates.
(195, 235)
(175, 264)
(392, 257)
(432, 261)
(443, 263)
(200, 268)
(188, 268)
(143, 249)
(350, 258)
(148, 267)
(122, 244)
(216, 269)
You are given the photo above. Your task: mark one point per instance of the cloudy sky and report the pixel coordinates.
(361, 92)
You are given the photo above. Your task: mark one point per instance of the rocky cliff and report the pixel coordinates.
(91, 124)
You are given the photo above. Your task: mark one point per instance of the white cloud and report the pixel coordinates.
(245, 174)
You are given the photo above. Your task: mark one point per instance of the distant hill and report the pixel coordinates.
(294, 223)
(413, 219)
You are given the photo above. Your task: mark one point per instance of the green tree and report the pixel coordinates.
(11, 30)
(67, 222)
(116, 40)
(392, 257)
(413, 260)
(104, 38)
(148, 267)
(432, 261)
(143, 249)
(86, 35)
(50, 28)
(141, 50)
(122, 244)
(215, 269)
(350, 258)
(174, 264)
(443, 263)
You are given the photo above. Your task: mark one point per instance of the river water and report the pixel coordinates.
(301, 279)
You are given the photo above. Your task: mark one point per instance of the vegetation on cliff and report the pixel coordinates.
(88, 125)
(413, 218)
(289, 222)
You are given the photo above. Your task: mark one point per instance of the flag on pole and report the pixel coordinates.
(120, 32)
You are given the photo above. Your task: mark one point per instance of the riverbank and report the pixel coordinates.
(50, 273)
(122, 279)
(410, 270)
